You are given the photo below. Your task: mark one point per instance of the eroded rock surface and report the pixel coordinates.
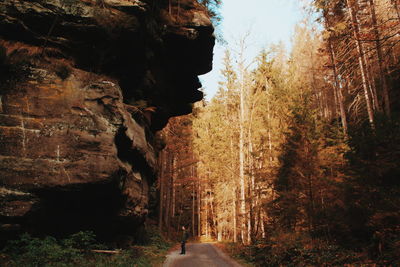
(84, 87)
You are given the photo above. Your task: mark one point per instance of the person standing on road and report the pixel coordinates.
(185, 236)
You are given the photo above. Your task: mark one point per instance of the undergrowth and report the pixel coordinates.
(80, 250)
(295, 250)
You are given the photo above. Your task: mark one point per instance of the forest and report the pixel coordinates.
(113, 154)
(295, 161)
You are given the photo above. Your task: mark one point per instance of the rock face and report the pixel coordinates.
(84, 87)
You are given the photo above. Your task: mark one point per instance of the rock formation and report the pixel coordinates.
(84, 87)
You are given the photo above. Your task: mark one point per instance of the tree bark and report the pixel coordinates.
(168, 195)
(381, 65)
(241, 147)
(198, 208)
(362, 63)
(173, 198)
(262, 225)
(193, 206)
(338, 89)
(235, 219)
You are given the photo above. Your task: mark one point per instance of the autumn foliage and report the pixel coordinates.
(296, 156)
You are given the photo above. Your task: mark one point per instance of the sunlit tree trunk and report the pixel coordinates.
(241, 171)
(371, 86)
(219, 218)
(379, 53)
(213, 217)
(262, 225)
(251, 162)
(362, 63)
(241, 145)
(338, 88)
(193, 205)
(234, 200)
(234, 220)
(206, 217)
(252, 203)
(198, 208)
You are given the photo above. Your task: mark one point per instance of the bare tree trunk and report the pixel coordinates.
(193, 205)
(338, 89)
(207, 199)
(198, 208)
(252, 197)
(241, 177)
(257, 218)
(362, 63)
(262, 225)
(372, 87)
(250, 216)
(234, 219)
(382, 76)
(173, 211)
(168, 196)
(269, 131)
(213, 219)
(241, 146)
(336, 98)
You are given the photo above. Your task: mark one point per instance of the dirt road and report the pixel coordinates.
(200, 255)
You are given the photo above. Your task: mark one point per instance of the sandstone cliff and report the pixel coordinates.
(84, 87)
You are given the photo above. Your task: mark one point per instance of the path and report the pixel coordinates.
(199, 255)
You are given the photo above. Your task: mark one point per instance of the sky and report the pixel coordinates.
(267, 22)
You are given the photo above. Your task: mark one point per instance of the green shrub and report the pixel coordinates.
(76, 250)
(156, 239)
(29, 251)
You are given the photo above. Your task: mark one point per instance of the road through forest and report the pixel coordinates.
(199, 255)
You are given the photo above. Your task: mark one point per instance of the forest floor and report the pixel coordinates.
(199, 255)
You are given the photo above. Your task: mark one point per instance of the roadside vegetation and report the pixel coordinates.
(82, 249)
(293, 250)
